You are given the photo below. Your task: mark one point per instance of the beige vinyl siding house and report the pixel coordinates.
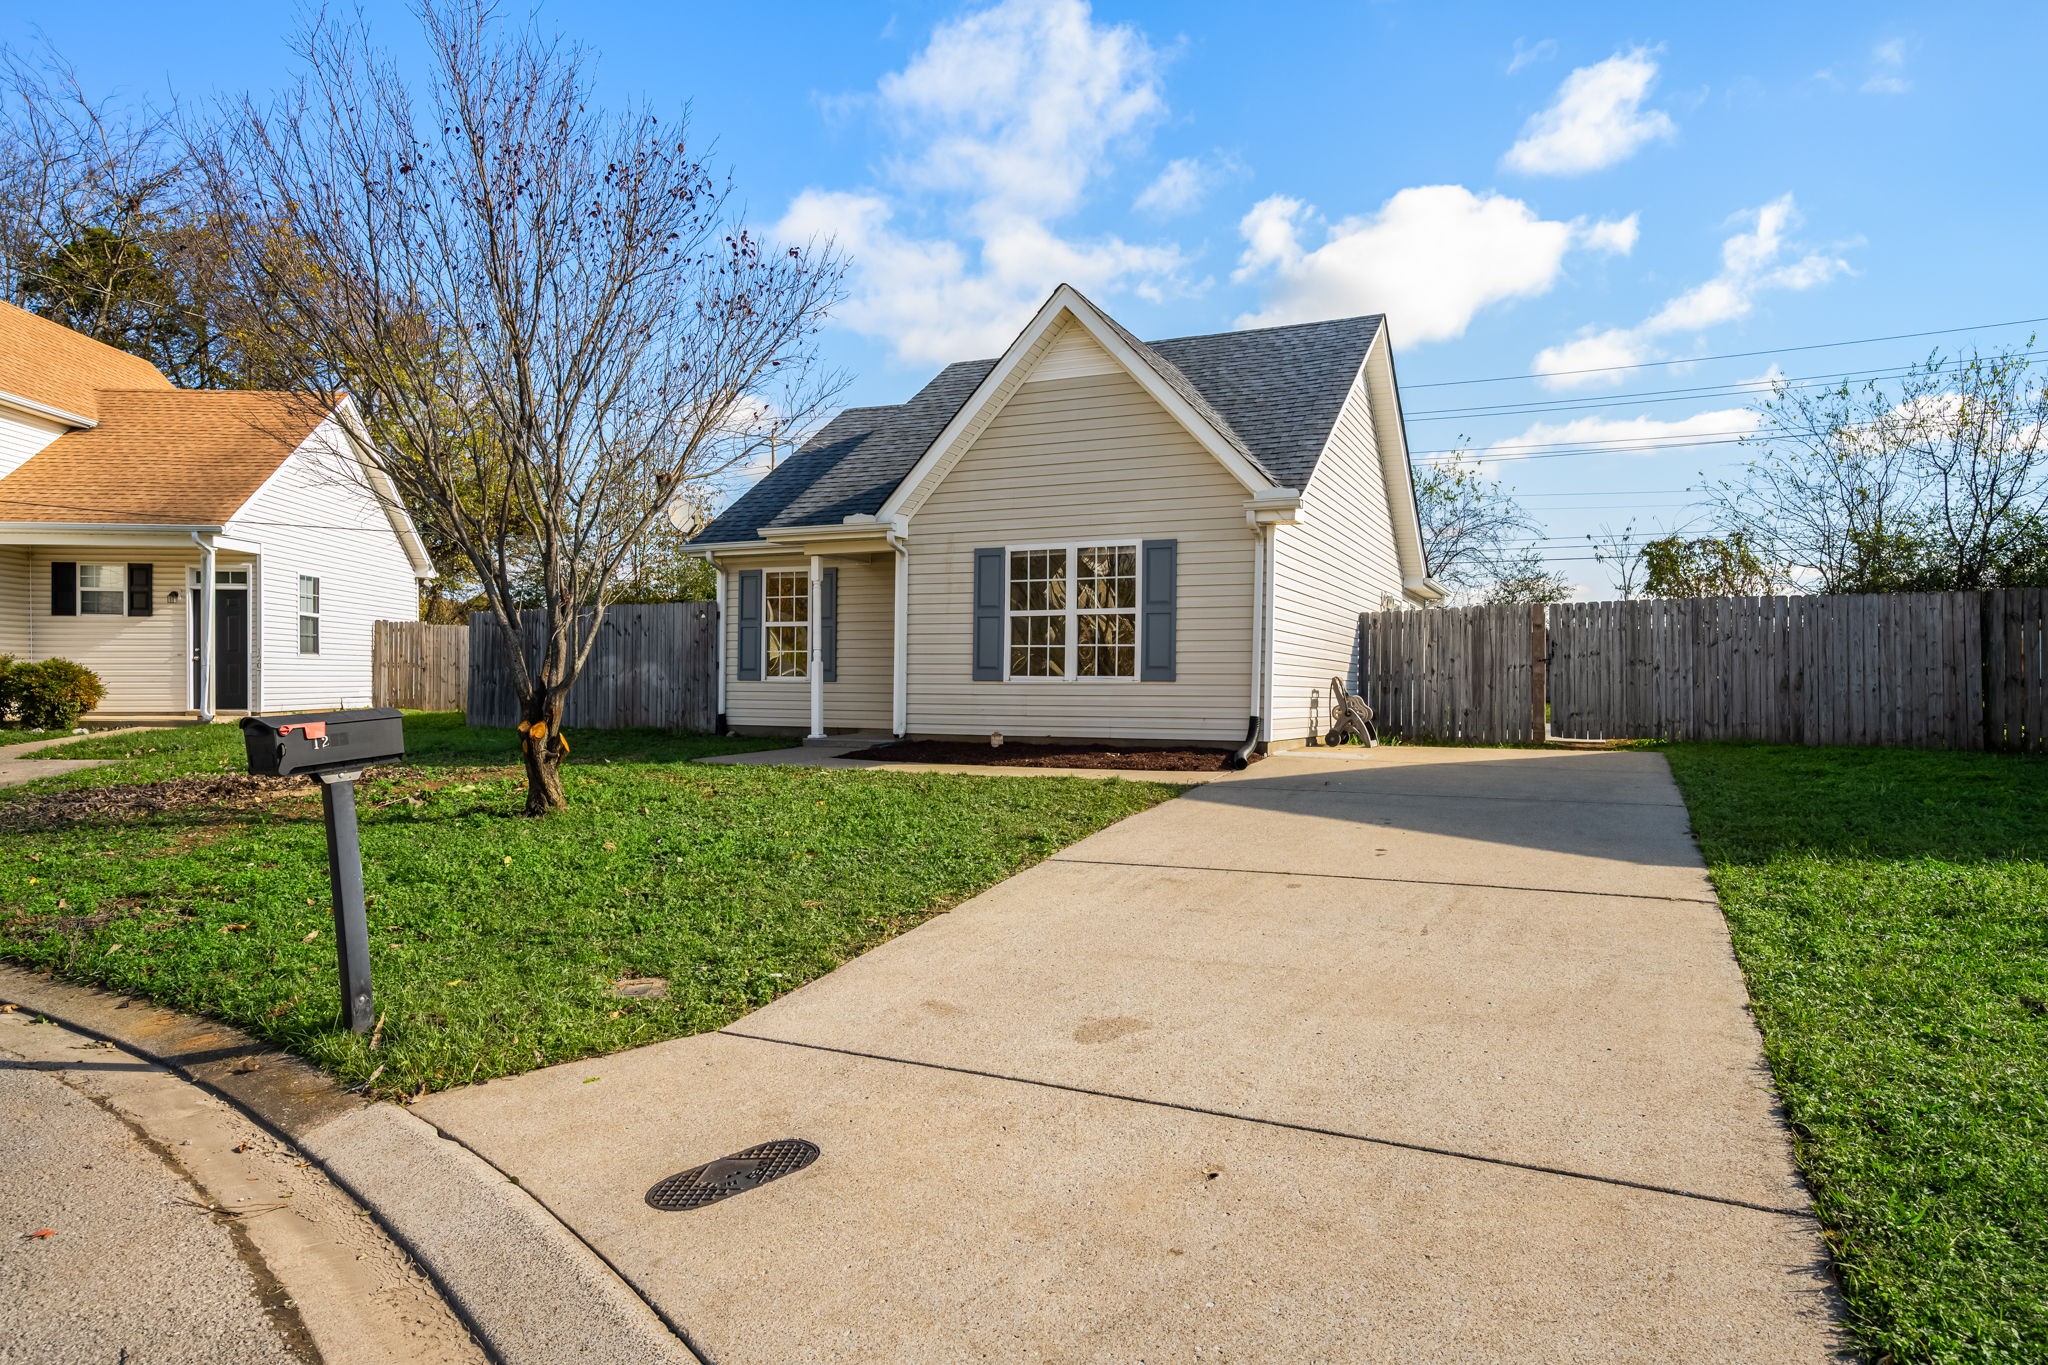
(1092, 459)
(118, 491)
(1087, 538)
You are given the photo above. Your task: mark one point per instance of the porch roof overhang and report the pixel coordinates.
(861, 536)
(99, 532)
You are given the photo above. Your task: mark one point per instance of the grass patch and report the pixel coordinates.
(1890, 910)
(13, 734)
(496, 939)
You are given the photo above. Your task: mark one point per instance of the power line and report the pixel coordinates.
(1616, 493)
(1728, 355)
(1700, 394)
(1619, 445)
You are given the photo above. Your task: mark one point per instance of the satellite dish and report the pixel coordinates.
(687, 517)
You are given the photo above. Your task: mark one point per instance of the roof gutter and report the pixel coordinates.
(35, 409)
(177, 528)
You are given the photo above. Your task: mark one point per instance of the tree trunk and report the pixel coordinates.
(542, 749)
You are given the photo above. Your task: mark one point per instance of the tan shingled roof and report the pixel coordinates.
(51, 365)
(183, 457)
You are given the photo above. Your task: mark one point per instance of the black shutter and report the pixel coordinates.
(141, 589)
(1157, 625)
(64, 588)
(828, 624)
(750, 626)
(989, 590)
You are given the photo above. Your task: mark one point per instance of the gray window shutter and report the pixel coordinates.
(1157, 625)
(750, 626)
(64, 588)
(828, 625)
(141, 589)
(989, 590)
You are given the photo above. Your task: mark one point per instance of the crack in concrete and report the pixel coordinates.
(1310, 1128)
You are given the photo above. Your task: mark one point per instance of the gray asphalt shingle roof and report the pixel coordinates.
(1273, 392)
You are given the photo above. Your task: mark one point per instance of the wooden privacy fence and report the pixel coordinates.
(1468, 673)
(419, 666)
(1930, 670)
(653, 664)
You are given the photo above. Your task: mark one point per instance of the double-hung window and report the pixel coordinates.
(1073, 612)
(103, 590)
(786, 597)
(309, 615)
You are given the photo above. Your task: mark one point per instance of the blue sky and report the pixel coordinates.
(1520, 191)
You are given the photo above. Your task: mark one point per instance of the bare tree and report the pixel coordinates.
(1621, 554)
(1474, 534)
(1934, 479)
(552, 317)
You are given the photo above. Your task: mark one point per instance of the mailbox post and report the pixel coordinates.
(335, 746)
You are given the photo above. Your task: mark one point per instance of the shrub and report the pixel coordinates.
(50, 695)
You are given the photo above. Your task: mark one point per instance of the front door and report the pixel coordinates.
(230, 646)
(231, 650)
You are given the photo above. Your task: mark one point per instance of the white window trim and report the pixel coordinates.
(1073, 611)
(305, 616)
(79, 590)
(803, 576)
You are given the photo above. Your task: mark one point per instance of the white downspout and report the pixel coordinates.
(899, 713)
(1269, 534)
(817, 659)
(1259, 626)
(718, 638)
(206, 613)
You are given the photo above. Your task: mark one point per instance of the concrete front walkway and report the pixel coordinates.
(1416, 1054)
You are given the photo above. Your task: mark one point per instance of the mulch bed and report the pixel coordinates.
(1050, 756)
(131, 799)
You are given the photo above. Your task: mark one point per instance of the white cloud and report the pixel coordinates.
(1625, 433)
(1888, 69)
(1430, 258)
(1004, 122)
(1182, 185)
(1528, 53)
(1596, 120)
(1753, 262)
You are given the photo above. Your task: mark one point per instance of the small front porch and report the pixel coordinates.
(810, 625)
(168, 619)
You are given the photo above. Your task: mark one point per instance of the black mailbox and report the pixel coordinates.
(323, 741)
(335, 746)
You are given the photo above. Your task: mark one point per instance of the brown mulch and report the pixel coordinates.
(1050, 756)
(227, 791)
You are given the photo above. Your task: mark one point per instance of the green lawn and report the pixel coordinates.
(495, 938)
(1890, 909)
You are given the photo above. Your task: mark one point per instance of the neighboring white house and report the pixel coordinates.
(1091, 537)
(141, 523)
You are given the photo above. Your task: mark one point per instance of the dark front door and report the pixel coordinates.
(231, 650)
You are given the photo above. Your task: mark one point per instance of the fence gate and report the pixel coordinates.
(418, 666)
(652, 664)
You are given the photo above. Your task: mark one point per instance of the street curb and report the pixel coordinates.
(531, 1291)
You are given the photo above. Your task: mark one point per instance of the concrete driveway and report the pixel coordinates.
(1413, 1054)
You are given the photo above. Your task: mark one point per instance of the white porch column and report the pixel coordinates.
(900, 711)
(816, 662)
(718, 637)
(208, 601)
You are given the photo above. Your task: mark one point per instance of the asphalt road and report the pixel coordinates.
(145, 1222)
(111, 1254)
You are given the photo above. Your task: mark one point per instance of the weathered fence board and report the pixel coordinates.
(653, 664)
(1460, 675)
(1922, 670)
(417, 666)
